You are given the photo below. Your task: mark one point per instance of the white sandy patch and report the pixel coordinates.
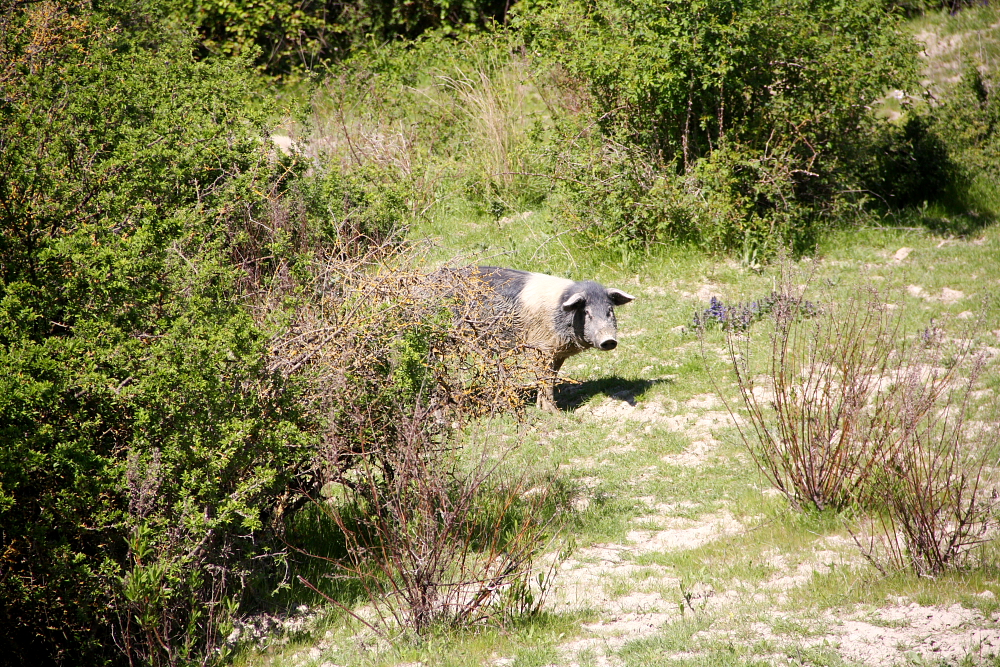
(285, 144)
(938, 634)
(666, 508)
(948, 296)
(627, 626)
(580, 583)
(704, 292)
(698, 423)
(703, 402)
(820, 562)
(654, 290)
(615, 408)
(681, 534)
(694, 455)
(592, 650)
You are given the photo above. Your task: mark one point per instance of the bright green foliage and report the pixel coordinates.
(144, 442)
(288, 36)
(353, 210)
(773, 93)
(679, 77)
(968, 124)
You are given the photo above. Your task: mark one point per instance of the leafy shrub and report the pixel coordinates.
(967, 122)
(289, 36)
(940, 164)
(393, 360)
(912, 165)
(372, 339)
(721, 123)
(146, 444)
(352, 211)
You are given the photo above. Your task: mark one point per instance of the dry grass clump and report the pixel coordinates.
(847, 411)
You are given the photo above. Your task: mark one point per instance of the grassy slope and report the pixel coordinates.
(768, 584)
(682, 556)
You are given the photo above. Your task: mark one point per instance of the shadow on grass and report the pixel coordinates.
(949, 222)
(570, 396)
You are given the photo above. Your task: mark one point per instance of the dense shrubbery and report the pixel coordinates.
(395, 362)
(730, 125)
(737, 127)
(967, 123)
(158, 259)
(295, 36)
(145, 441)
(941, 160)
(170, 284)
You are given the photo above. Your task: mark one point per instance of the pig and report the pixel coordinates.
(556, 316)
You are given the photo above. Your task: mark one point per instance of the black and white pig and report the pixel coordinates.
(558, 317)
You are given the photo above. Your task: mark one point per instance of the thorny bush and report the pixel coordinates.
(438, 536)
(935, 494)
(371, 337)
(849, 412)
(394, 361)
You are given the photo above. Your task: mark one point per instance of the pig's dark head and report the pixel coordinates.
(591, 307)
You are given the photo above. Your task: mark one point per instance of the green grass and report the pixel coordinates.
(618, 468)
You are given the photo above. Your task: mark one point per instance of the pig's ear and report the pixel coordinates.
(574, 301)
(618, 297)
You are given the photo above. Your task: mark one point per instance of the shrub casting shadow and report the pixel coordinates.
(570, 396)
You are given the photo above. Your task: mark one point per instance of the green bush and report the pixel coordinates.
(912, 165)
(146, 443)
(289, 36)
(945, 155)
(774, 94)
(967, 122)
(353, 210)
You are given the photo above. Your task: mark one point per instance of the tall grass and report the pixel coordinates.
(452, 119)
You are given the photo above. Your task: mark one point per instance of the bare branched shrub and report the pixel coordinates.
(819, 413)
(449, 538)
(849, 411)
(936, 493)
